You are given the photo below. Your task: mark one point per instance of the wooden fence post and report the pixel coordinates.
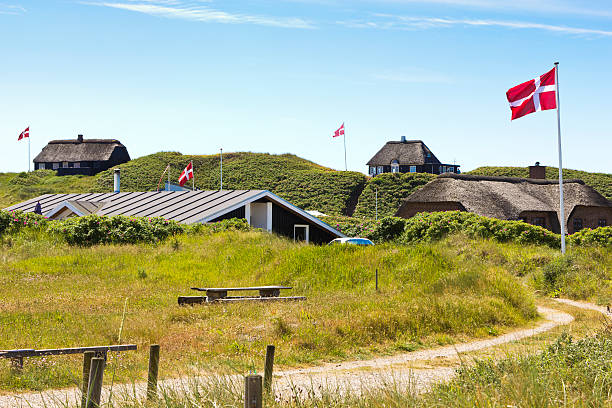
(87, 356)
(252, 391)
(269, 368)
(153, 371)
(96, 375)
(377, 279)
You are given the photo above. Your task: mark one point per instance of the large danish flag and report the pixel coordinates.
(187, 174)
(532, 96)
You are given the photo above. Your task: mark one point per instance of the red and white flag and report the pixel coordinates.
(532, 96)
(339, 132)
(187, 174)
(25, 133)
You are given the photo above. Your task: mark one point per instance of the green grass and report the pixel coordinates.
(392, 189)
(58, 296)
(601, 182)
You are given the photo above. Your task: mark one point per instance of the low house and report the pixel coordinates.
(261, 208)
(535, 201)
(408, 156)
(81, 156)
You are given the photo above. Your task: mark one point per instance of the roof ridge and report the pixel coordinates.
(475, 177)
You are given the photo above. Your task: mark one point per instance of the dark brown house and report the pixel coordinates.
(81, 156)
(534, 201)
(408, 156)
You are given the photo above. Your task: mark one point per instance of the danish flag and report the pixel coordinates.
(535, 95)
(339, 132)
(187, 174)
(25, 133)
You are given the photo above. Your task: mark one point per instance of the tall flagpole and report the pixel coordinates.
(561, 205)
(29, 150)
(192, 178)
(344, 138)
(221, 188)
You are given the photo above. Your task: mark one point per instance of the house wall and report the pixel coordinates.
(283, 222)
(424, 168)
(551, 220)
(589, 216)
(410, 209)
(88, 168)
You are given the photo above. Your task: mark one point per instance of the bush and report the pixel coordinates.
(12, 221)
(119, 229)
(389, 229)
(353, 227)
(427, 227)
(601, 236)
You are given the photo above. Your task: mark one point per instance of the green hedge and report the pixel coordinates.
(13, 221)
(601, 236)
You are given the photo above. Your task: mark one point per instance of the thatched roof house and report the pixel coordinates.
(81, 156)
(509, 198)
(408, 156)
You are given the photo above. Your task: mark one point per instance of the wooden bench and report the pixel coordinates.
(266, 293)
(17, 355)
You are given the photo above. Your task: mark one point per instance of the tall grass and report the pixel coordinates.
(55, 295)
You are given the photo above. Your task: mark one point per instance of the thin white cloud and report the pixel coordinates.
(387, 21)
(197, 12)
(11, 9)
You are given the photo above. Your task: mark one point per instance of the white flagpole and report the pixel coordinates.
(168, 186)
(561, 204)
(344, 138)
(29, 150)
(192, 178)
(221, 188)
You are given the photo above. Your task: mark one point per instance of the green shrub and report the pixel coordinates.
(601, 236)
(389, 229)
(353, 227)
(119, 229)
(555, 269)
(12, 221)
(427, 227)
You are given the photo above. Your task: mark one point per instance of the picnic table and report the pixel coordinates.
(266, 293)
(16, 356)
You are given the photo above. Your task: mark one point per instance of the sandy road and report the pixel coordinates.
(350, 375)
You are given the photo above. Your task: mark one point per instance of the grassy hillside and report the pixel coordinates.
(601, 182)
(74, 296)
(392, 189)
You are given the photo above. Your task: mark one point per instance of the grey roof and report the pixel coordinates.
(506, 197)
(72, 150)
(409, 152)
(187, 207)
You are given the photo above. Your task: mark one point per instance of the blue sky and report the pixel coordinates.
(281, 76)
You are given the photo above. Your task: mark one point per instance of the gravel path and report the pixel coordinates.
(355, 376)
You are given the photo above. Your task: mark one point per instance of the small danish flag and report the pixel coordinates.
(535, 95)
(339, 132)
(25, 133)
(187, 174)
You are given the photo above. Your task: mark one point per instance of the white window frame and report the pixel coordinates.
(76, 165)
(302, 226)
(372, 170)
(394, 167)
(412, 169)
(380, 169)
(55, 166)
(41, 166)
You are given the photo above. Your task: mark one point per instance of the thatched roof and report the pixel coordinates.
(409, 152)
(74, 150)
(506, 197)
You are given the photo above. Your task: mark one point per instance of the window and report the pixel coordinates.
(55, 166)
(577, 224)
(77, 165)
(602, 222)
(64, 164)
(372, 171)
(379, 170)
(451, 170)
(539, 221)
(428, 155)
(301, 232)
(394, 166)
(41, 166)
(440, 169)
(413, 169)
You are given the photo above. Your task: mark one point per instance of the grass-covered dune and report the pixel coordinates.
(54, 295)
(601, 182)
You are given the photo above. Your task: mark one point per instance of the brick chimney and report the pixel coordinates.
(537, 171)
(80, 138)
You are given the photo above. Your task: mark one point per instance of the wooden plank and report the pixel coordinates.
(260, 299)
(246, 288)
(72, 350)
